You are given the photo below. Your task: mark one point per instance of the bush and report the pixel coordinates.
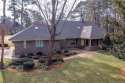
(35, 57)
(118, 50)
(38, 65)
(58, 52)
(42, 60)
(80, 47)
(20, 67)
(45, 57)
(30, 54)
(107, 41)
(39, 53)
(5, 45)
(28, 65)
(66, 51)
(74, 53)
(22, 56)
(19, 61)
(57, 59)
(68, 54)
(46, 68)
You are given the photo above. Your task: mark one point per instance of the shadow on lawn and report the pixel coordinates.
(3, 76)
(100, 71)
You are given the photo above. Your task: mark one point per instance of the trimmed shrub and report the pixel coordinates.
(35, 57)
(28, 65)
(57, 59)
(20, 67)
(66, 51)
(22, 56)
(46, 68)
(59, 52)
(39, 53)
(38, 65)
(19, 61)
(30, 54)
(45, 57)
(68, 54)
(80, 47)
(42, 60)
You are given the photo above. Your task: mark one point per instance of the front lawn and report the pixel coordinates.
(101, 68)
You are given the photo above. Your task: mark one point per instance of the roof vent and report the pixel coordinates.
(78, 27)
(36, 28)
(85, 31)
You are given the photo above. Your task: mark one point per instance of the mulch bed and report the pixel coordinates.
(122, 71)
(53, 67)
(63, 55)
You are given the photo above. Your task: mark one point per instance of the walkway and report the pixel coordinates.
(81, 54)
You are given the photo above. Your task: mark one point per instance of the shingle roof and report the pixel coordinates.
(72, 29)
(92, 32)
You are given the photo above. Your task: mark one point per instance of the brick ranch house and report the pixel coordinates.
(75, 33)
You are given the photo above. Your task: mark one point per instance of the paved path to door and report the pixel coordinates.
(81, 54)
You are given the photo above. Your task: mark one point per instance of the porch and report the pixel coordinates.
(91, 44)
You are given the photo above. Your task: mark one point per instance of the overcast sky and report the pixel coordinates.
(8, 13)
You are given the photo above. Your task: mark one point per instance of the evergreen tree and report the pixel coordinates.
(107, 40)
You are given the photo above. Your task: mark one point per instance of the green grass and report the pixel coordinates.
(101, 68)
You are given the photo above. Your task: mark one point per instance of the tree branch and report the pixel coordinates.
(61, 13)
(66, 19)
(47, 21)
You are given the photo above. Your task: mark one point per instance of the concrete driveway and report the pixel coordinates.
(8, 53)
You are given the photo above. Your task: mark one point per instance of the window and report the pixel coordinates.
(74, 42)
(24, 43)
(39, 43)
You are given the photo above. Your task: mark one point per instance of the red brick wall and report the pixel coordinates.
(31, 47)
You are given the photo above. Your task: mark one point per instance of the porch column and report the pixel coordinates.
(90, 43)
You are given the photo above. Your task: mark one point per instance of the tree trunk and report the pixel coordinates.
(2, 52)
(50, 51)
(2, 34)
(22, 14)
(14, 12)
(51, 44)
(52, 33)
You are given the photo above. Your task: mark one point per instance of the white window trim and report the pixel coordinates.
(24, 44)
(39, 43)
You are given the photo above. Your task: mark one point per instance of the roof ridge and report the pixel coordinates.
(20, 32)
(91, 32)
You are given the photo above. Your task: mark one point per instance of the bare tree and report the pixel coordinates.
(2, 27)
(57, 9)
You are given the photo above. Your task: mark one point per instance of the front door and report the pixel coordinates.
(87, 42)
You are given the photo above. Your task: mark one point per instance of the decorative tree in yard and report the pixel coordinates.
(2, 33)
(53, 11)
(107, 41)
(118, 35)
